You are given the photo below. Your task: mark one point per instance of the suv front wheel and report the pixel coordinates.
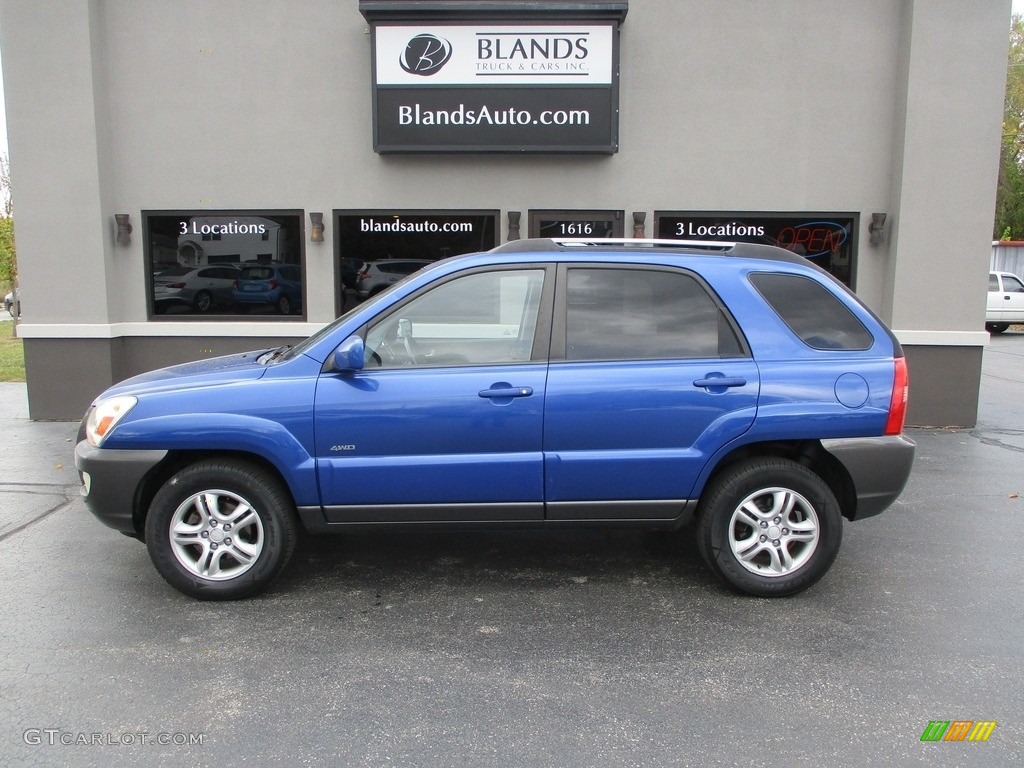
(221, 529)
(769, 527)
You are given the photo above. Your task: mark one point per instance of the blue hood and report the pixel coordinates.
(203, 373)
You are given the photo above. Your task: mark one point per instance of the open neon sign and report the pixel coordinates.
(815, 238)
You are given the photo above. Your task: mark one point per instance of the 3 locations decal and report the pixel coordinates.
(495, 88)
(825, 238)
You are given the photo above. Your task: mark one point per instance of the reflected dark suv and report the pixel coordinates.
(542, 385)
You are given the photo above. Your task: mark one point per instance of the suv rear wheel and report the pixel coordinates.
(221, 529)
(769, 527)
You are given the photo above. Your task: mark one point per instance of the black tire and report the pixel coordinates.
(782, 517)
(208, 503)
(284, 305)
(203, 302)
(996, 327)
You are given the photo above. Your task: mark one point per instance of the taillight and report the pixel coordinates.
(272, 285)
(898, 403)
(175, 285)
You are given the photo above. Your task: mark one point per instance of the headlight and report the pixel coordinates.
(104, 418)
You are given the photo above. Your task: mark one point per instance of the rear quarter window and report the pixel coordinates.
(812, 312)
(257, 273)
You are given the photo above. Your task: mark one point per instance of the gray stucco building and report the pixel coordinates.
(306, 134)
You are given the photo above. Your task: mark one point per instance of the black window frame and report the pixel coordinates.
(149, 215)
(493, 215)
(749, 221)
(576, 216)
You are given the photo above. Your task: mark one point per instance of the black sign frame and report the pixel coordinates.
(496, 118)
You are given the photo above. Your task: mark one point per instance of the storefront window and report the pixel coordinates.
(375, 248)
(827, 239)
(570, 224)
(225, 264)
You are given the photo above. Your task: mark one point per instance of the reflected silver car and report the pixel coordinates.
(375, 276)
(198, 288)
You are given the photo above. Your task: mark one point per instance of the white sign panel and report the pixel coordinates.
(520, 54)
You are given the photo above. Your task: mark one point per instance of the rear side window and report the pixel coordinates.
(643, 314)
(812, 312)
(257, 273)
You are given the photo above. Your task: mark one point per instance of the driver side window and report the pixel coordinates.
(479, 319)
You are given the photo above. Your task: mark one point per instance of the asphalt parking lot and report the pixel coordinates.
(595, 649)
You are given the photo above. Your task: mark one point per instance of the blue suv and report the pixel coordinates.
(543, 384)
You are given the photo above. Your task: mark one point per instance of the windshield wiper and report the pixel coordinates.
(268, 357)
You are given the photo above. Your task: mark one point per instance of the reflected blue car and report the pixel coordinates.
(277, 285)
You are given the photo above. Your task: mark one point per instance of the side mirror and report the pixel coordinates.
(350, 354)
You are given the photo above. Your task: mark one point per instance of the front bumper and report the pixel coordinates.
(111, 481)
(879, 467)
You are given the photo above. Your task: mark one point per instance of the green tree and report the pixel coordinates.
(8, 260)
(8, 264)
(1009, 220)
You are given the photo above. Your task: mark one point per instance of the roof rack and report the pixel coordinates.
(748, 250)
(556, 243)
(580, 241)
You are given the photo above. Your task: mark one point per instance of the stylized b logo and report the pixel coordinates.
(425, 54)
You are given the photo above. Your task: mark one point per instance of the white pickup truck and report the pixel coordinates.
(1005, 301)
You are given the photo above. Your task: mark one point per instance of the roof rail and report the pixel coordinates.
(556, 243)
(740, 249)
(709, 244)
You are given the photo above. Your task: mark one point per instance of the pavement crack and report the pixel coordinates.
(984, 439)
(67, 501)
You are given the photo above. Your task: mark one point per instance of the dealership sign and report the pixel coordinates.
(496, 88)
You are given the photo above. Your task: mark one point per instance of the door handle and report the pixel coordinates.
(506, 390)
(720, 382)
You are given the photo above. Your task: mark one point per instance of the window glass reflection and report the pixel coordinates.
(203, 264)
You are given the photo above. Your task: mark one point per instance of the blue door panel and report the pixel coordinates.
(641, 430)
(428, 435)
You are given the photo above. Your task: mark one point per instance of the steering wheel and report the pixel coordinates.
(389, 355)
